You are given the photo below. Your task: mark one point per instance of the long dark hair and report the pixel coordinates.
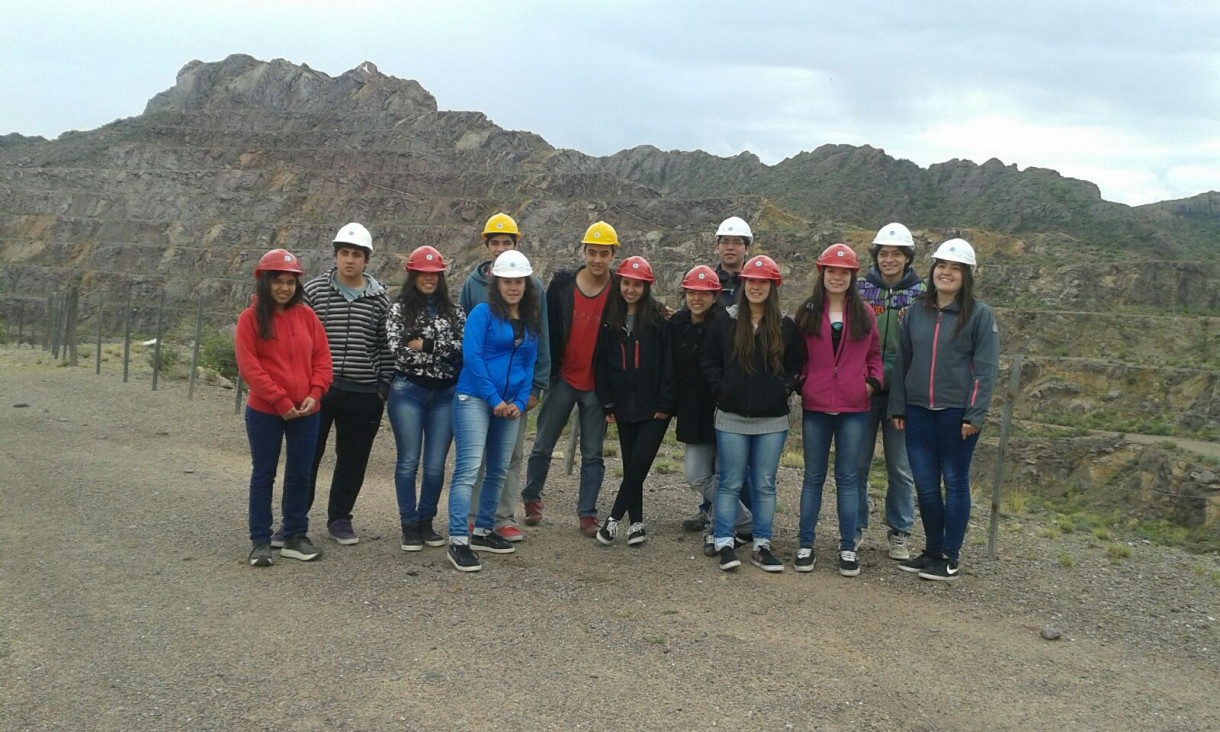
(647, 310)
(809, 319)
(414, 302)
(530, 308)
(770, 332)
(264, 303)
(964, 297)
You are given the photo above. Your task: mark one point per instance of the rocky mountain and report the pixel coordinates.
(1117, 307)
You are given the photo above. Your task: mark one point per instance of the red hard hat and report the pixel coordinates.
(425, 259)
(839, 255)
(278, 260)
(702, 278)
(636, 268)
(762, 267)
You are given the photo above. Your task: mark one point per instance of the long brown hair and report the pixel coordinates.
(529, 308)
(964, 297)
(647, 310)
(770, 333)
(264, 303)
(809, 318)
(414, 302)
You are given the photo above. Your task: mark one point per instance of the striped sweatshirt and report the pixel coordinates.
(359, 349)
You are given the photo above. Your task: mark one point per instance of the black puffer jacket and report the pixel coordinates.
(696, 405)
(634, 373)
(760, 393)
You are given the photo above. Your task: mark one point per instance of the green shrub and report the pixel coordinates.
(216, 352)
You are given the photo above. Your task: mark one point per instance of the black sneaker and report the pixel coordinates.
(919, 563)
(428, 536)
(709, 545)
(261, 556)
(492, 542)
(463, 559)
(636, 534)
(728, 559)
(605, 535)
(300, 547)
(849, 563)
(806, 559)
(410, 538)
(945, 570)
(698, 522)
(765, 560)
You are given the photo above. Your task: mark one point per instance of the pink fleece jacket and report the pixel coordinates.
(288, 367)
(836, 382)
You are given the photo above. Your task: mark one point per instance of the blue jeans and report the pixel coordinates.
(267, 433)
(552, 416)
(900, 491)
(423, 422)
(817, 430)
(936, 450)
(480, 438)
(699, 468)
(742, 457)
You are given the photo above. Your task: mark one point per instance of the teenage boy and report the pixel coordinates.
(889, 287)
(500, 235)
(574, 301)
(352, 306)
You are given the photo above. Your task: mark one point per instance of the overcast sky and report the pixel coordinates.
(1123, 93)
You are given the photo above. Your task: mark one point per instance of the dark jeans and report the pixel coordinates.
(356, 417)
(639, 442)
(267, 434)
(936, 449)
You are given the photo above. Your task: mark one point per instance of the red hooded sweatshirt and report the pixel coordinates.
(836, 382)
(291, 365)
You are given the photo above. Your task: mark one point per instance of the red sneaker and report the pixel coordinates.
(510, 533)
(533, 513)
(589, 526)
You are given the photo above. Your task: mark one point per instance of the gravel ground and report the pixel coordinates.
(126, 603)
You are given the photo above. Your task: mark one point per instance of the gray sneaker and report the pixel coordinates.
(898, 546)
(261, 556)
(341, 531)
(277, 539)
(300, 547)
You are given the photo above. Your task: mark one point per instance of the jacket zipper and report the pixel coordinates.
(932, 371)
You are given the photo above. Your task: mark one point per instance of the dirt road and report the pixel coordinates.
(126, 603)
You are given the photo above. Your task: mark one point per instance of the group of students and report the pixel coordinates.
(890, 352)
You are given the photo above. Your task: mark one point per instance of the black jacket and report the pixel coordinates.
(729, 282)
(635, 373)
(559, 305)
(696, 404)
(756, 394)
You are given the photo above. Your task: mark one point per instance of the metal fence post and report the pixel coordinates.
(97, 353)
(157, 344)
(70, 330)
(190, 391)
(127, 334)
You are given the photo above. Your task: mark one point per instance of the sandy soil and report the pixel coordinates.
(126, 603)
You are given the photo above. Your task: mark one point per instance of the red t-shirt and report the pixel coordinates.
(577, 367)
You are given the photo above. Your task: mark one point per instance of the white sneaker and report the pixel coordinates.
(898, 546)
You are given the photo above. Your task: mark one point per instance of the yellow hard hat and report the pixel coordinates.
(501, 223)
(601, 234)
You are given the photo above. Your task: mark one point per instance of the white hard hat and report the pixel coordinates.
(511, 264)
(956, 250)
(356, 235)
(894, 235)
(736, 226)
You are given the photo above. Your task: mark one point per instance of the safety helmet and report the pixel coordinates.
(956, 250)
(356, 235)
(602, 234)
(501, 223)
(736, 226)
(425, 259)
(762, 267)
(894, 235)
(277, 260)
(839, 255)
(511, 264)
(636, 268)
(702, 278)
